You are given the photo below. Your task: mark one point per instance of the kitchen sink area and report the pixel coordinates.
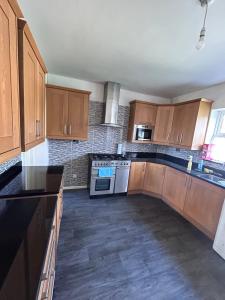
(212, 178)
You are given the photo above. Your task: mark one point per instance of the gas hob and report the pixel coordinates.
(109, 160)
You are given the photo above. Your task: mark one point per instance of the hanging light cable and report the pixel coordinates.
(201, 42)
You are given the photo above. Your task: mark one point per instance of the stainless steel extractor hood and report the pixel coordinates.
(111, 100)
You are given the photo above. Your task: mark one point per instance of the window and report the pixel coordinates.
(218, 138)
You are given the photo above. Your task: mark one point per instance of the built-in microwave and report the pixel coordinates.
(143, 133)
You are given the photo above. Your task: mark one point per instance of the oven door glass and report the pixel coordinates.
(102, 184)
(143, 134)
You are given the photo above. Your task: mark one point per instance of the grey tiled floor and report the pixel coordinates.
(133, 248)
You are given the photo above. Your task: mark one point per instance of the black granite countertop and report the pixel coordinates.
(25, 226)
(176, 163)
(20, 181)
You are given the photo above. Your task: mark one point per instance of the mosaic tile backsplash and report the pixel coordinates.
(5, 166)
(183, 153)
(101, 139)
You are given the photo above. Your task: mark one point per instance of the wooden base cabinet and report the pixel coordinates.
(198, 201)
(9, 84)
(154, 178)
(48, 275)
(32, 89)
(203, 205)
(67, 113)
(175, 188)
(136, 178)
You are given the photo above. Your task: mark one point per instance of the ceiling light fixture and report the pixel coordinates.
(201, 42)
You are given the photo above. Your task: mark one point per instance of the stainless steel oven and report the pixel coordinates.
(102, 185)
(143, 133)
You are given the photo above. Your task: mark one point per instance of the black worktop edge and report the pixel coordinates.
(177, 163)
(8, 176)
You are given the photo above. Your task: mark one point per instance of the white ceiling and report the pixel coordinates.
(146, 45)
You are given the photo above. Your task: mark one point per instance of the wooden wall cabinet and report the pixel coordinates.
(141, 113)
(154, 178)
(144, 113)
(203, 205)
(181, 125)
(163, 125)
(67, 113)
(190, 123)
(32, 89)
(175, 188)
(136, 178)
(9, 84)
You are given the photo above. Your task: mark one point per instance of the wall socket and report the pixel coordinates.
(74, 176)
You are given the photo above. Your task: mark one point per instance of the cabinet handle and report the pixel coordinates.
(181, 138)
(178, 138)
(70, 129)
(37, 128)
(65, 129)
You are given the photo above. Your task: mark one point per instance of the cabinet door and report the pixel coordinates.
(136, 178)
(175, 188)
(163, 125)
(145, 113)
(40, 108)
(177, 125)
(57, 113)
(189, 119)
(30, 93)
(9, 98)
(154, 177)
(203, 205)
(78, 116)
(14, 286)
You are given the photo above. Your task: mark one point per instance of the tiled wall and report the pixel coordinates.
(73, 155)
(101, 139)
(183, 153)
(5, 166)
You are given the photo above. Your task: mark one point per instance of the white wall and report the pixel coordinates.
(97, 90)
(37, 156)
(216, 93)
(127, 96)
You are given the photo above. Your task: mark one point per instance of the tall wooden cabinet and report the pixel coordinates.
(67, 113)
(9, 83)
(32, 89)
